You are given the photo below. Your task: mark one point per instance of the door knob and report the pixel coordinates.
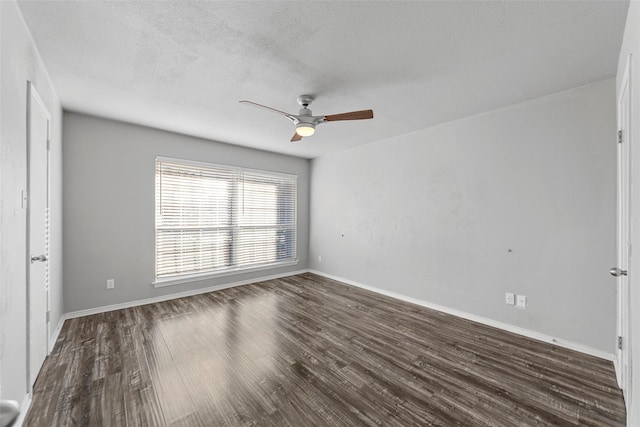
(41, 258)
(617, 272)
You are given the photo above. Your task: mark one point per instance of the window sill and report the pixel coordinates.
(160, 283)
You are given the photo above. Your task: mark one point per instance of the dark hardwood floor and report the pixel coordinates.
(306, 351)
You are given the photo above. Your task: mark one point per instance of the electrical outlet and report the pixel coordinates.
(509, 298)
(111, 283)
(319, 258)
(521, 301)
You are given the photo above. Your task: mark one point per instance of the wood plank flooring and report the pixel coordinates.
(308, 351)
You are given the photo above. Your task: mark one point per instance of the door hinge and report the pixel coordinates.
(620, 136)
(48, 316)
(48, 145)
(619, 343)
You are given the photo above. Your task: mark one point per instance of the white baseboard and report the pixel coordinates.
(617, 369)
(104, 309)
(479, 319)
(56, 332)
(475, 318)
(24, 408)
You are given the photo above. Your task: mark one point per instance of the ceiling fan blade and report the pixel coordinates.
(296, 137)
(353, 115)
(255, 104)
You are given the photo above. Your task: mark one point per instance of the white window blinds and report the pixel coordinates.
(212, 218)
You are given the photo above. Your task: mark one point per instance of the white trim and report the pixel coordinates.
(56, 332)
(33, 97)
(623, 328)
(479, 319)
(145, 301)
(170, 281)
(24, 408)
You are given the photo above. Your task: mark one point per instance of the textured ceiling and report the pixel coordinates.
(184, 65)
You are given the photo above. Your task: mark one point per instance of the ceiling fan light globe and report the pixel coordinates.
(305, 129)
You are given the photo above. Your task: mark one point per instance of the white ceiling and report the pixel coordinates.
(184, 65)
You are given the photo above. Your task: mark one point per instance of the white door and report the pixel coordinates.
(37, 231)
(623, 232)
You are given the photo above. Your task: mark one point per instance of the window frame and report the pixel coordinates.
(233, 270)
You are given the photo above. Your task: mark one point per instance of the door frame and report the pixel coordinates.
(623, 223)
(33, 96)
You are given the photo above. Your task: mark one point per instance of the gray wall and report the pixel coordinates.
(20, 62)
(109, 197)
(631, 45)
(520, 199)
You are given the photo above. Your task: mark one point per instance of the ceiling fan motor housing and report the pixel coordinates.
(304, 112)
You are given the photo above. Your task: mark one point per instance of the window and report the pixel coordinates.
(213, 219)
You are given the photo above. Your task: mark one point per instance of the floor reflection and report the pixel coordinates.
(231, 343)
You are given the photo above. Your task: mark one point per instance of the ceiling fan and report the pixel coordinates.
(306, 123)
